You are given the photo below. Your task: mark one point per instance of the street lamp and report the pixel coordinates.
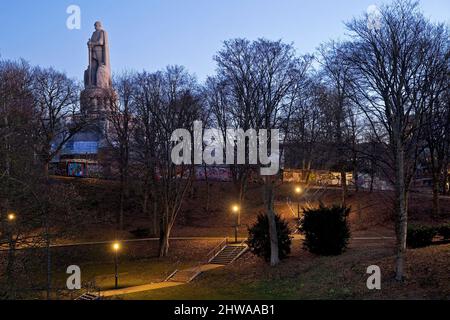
(298, 192)
(237, 213)
(116, 248)
(11, 217)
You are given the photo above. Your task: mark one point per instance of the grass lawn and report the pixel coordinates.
(131, 273)
(301, 276)
(304, 276)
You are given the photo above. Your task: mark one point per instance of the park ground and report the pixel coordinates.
(301, 276)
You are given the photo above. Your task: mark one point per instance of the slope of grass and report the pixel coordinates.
(304, 276)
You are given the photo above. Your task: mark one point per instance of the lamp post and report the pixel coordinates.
(298, 192)
(11, 217)
(237, 213)
(116, 248)
(7, 225)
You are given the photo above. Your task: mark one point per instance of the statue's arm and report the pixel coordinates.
(100, 42)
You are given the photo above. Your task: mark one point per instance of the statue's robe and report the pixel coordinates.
(99, 73)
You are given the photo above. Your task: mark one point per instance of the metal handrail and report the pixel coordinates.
(197, 269)
(239, 246)
(216, 250)
(170, 276)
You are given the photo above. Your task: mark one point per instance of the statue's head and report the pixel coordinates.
(98, 26)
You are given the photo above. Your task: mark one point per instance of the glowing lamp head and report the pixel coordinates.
(11, 217)
(116, 246)
(235, 209)
(298, 190)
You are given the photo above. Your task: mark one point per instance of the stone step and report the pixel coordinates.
(88, 297)
(228, 255)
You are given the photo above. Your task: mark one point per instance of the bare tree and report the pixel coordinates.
(306, 128)
(56, 102)
(337, 76)
(437, 116)
(389, 64)
(120, 116)
(147, 96)
(234, 98)
(168, 101)
(22, 181)
(16, 154)
(257, 87)
(281, 78)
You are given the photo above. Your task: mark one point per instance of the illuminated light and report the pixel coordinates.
(116, 246)
(11, 217)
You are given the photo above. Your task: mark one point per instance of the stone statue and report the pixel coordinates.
(98, 74)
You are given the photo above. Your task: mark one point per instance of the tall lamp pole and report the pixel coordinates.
(11, 218)
(116, 248)
(237, 213)
(298, 192)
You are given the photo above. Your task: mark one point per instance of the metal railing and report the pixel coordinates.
(214, 252)
(237, 248)
(170, 275)
(89, 287)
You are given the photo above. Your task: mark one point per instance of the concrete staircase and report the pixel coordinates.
(220, 256)
(229, 254)
(88, 297)
(184, 276)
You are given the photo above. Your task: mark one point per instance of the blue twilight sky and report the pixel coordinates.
(150, 34)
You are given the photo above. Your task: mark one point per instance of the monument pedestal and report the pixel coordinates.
(97, 101)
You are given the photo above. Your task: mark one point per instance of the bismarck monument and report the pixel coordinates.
(82, 155)
(97, 78)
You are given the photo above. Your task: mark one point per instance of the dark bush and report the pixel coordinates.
(444, 231)
(326, 230)
(259, 239)
(420, 236)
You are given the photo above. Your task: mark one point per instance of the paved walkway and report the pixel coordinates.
(159, 285)
(67, 245)
(142, 288)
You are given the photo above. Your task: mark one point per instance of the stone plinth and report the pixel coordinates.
(96, 101)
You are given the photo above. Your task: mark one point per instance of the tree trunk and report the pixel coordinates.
(46, 169)
(308, 173)
(436, 205)
(401, 208)
(269, 199)
(444, 181)
(372, 178)
(208, 191)
(164, 240)
(344, 188)
(121, 209)
(155, 217)
(145, 210)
